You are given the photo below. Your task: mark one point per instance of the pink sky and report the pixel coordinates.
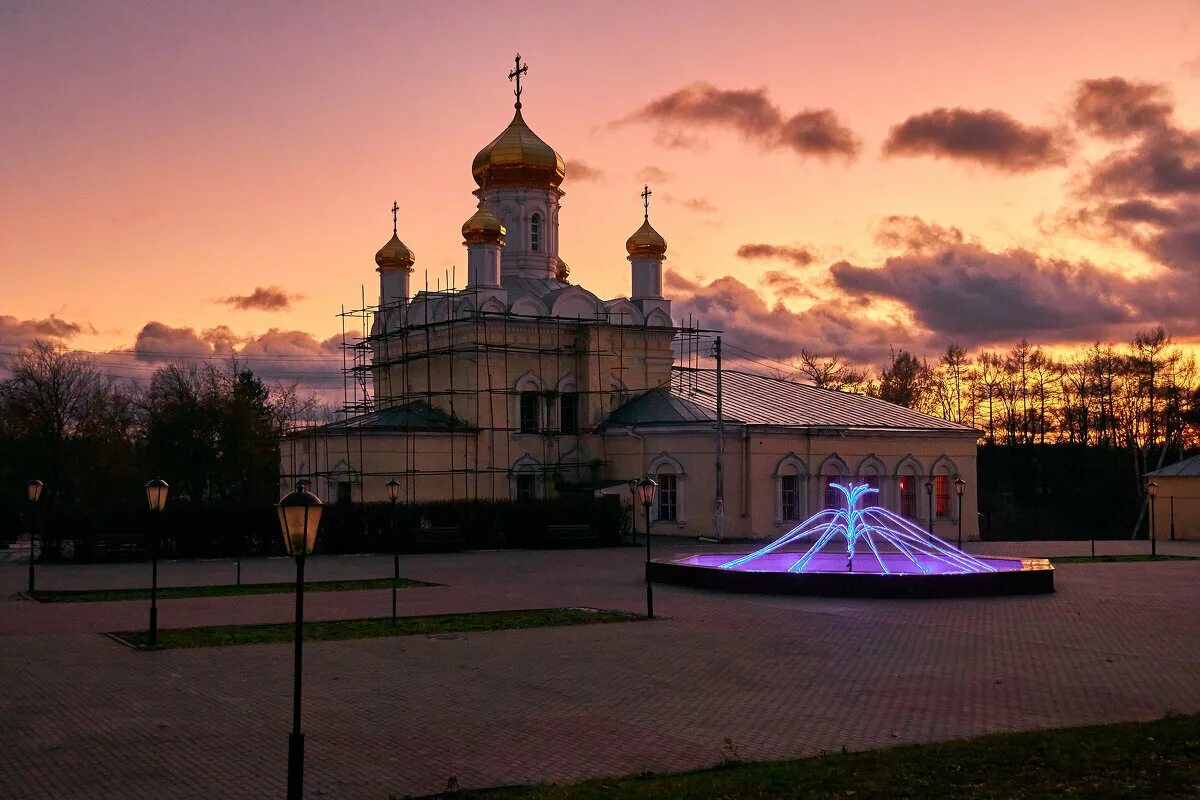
(161, 157)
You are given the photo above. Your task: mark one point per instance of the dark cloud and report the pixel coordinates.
(580, 171)
(653, 174)
(988, 137)
(811, 132)
(800, 256)
(1115, 108)
(849, 327)
(700, 204)
(15, 331)
(263, 298)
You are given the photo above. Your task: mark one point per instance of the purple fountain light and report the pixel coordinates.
(886, 543)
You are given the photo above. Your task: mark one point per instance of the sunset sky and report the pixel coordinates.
(847, 177)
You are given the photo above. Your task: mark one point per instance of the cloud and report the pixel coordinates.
(653, 174)
(900, 232)
(263, 298)
(849, 327)
(989, 137)
(800, 256)
(811, 132)
(15, 331)
(1114, 108)
(784, 285)
(580, 171)
(699, 204)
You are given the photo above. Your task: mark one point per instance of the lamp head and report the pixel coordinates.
(646, 488)
(1151, 488)
(33, 490)
(156, 494)
(959, 486)
(929, 487)
(299, 519)
(393, 489)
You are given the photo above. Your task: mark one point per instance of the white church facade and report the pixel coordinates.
(523, 384)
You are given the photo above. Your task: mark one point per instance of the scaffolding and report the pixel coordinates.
(463, 425)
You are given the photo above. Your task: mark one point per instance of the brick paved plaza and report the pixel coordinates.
(84, 717)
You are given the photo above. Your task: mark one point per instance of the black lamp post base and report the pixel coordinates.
(295, 766)
(649, 600)
(153, 627)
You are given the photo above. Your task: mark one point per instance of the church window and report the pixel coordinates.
(668, 496)
(343, 493)
(568, 412)
(789, 496)
(535, 233)
(908, 496)
(941, 495)
(526, 488)
(529, 412)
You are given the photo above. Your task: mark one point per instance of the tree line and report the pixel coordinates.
(211, 429)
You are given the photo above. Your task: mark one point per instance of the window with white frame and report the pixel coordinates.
(535, 233)
(789, 497)
(668, 496)
(530, 411)
(907, 486)
(568, 413)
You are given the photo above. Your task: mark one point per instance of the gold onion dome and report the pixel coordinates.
(483, 227)
(517, 157)
(395, 255)
(646, 242)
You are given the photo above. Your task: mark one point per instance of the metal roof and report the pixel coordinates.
(1187, 467)
(760, 400)
(417, 416)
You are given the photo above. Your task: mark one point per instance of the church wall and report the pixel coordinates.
(752, 473)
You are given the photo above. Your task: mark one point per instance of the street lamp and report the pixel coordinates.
(156, 498)
(646, 488)
(959, 487)
(393, 490)
(33, 493)
(1152, 490)
(929, 492)
(299, 516)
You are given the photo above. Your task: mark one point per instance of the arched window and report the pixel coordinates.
(833, 470)
(943, 474)
(535, 233)
(529, 412)
(568, 413)
(871, 472)
(525, 477)
(907, 477)
(790, 489)
(668, 503)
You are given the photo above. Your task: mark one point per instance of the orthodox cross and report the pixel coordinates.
(646, 201)
(515, 75)
(395, 211)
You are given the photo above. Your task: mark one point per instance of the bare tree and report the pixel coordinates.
(830, 373)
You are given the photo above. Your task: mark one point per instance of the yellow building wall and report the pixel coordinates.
(1179, 499)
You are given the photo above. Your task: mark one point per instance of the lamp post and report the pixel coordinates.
(33, 493)
(156, 498)
(929, 492)
(959, 487)
(1152, 490)
(393, 490)
(646, 487)
(299, 516)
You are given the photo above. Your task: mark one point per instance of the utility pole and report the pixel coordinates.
(719, 504)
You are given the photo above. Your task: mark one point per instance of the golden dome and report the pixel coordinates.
(483, 227)
(395, 255)
(646, 242)
(517, 157)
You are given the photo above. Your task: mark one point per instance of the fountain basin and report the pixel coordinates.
(826, 575)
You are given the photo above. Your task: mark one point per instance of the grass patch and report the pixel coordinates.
(1159, 760)
(1110, 559)
(222, 590)
(334, 630)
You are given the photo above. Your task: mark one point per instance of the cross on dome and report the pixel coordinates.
(646, 201)
(515, 75)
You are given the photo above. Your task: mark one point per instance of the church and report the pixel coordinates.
(523, 384)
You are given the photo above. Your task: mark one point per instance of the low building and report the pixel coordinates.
(1177, 501)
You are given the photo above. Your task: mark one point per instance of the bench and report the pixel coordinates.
(112, 545)
(443, 538)
(570, 536)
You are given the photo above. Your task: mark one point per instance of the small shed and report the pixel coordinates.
(1177, 505)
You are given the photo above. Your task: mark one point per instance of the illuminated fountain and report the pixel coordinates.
(858, 551)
